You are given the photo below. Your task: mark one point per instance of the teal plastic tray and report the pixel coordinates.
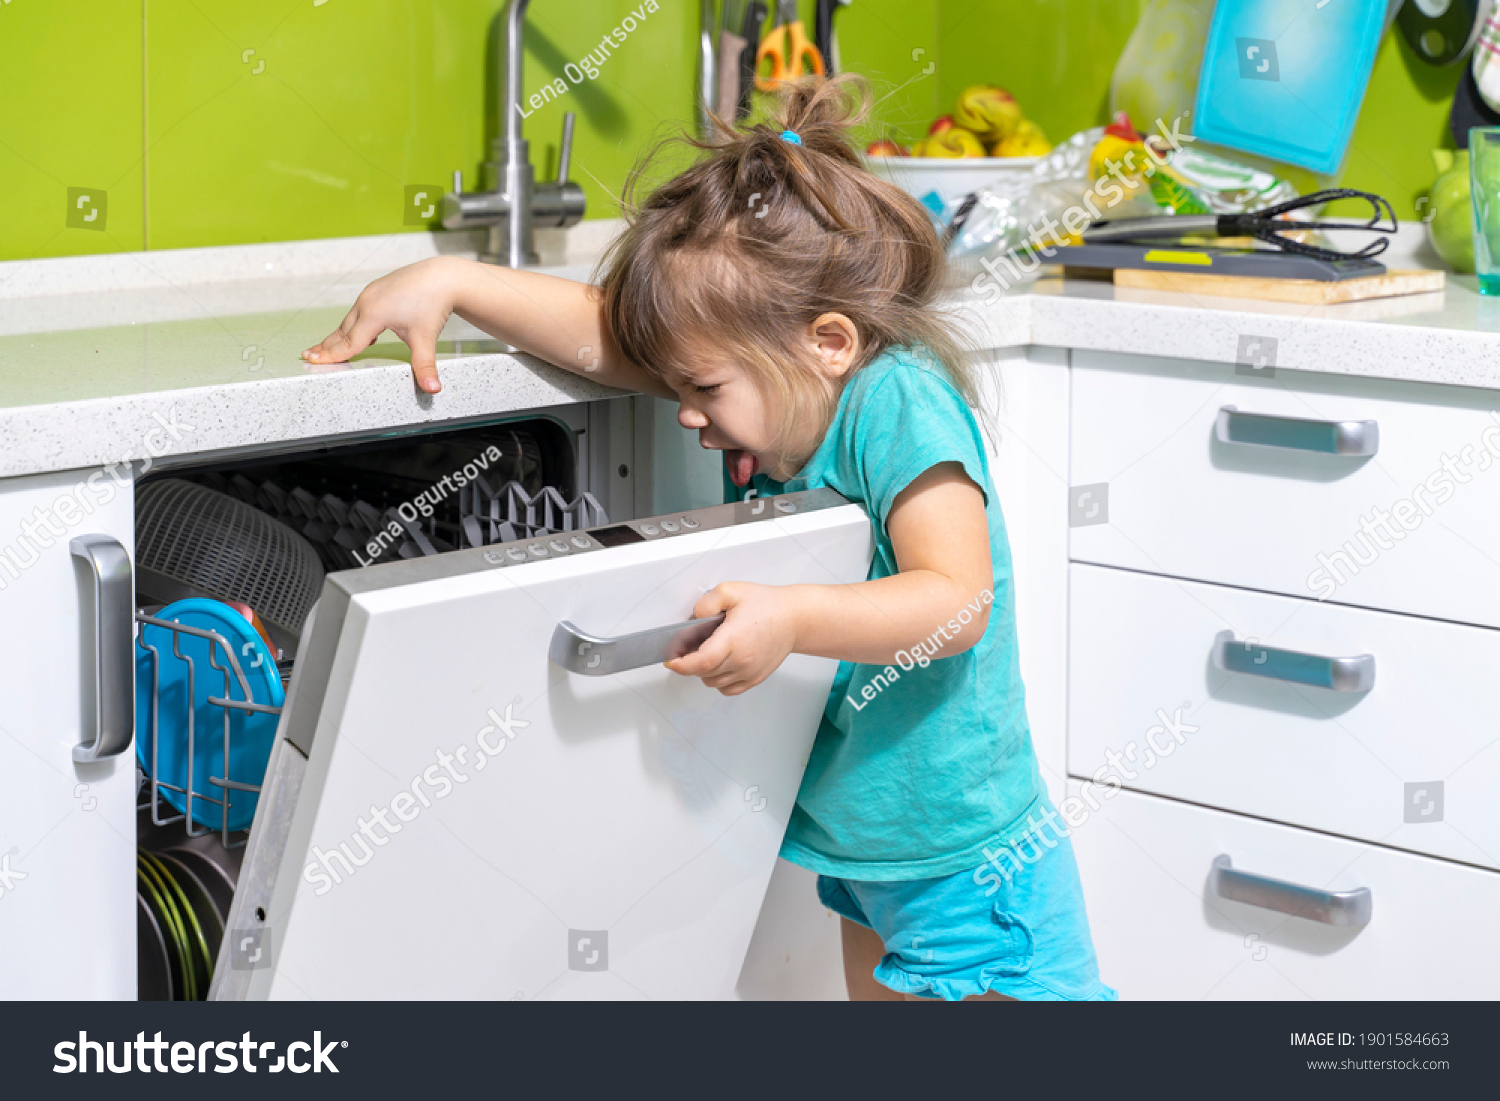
(1284, 79)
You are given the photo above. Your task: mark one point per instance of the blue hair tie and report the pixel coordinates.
(791, 136)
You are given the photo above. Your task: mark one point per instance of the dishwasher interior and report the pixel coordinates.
(230, 556)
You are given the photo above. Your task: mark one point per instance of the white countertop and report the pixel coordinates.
(96, 352)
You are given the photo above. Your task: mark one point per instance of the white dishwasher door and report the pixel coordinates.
(450, 813)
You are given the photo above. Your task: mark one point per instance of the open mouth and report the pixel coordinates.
(741, 464)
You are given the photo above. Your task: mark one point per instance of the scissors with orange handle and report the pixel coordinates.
(788, 49)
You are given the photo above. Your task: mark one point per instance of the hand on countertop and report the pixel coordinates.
(413, 302)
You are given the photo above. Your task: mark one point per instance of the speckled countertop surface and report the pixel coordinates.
(97, 354)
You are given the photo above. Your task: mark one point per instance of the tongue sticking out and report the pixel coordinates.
(741, 465)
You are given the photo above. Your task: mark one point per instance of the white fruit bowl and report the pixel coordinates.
(952, 178)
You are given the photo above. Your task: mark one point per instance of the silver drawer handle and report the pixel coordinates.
(1356, 674)
(1329, 907)
(596, 656)
(112, 647)
(1297, 433)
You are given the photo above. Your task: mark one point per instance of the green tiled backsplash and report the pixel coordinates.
(135, 124)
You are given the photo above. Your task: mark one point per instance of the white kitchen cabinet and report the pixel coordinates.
(1162, 931)
(1028, 456)
(67, 826)
(1181, 501)
(1412, 761)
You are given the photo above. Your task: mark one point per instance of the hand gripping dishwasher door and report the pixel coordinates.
(485, 785)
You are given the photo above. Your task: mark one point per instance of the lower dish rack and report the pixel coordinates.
(225, 785)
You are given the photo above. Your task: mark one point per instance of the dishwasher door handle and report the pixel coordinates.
(1356, 674)
(596, 656)
(1297, 433)
(1329, 907)
(112, 647)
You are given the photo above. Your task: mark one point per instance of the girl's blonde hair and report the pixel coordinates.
(737, 255)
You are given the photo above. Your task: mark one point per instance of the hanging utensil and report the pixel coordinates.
(708, 84)
(755, 18)
(1443, 31)
(731, 47)
(787, 48)
(823, 34)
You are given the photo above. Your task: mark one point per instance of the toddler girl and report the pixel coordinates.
(785, 298)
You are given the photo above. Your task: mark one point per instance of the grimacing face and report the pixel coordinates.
(721, 401)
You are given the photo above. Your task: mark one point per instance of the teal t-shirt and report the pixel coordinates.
(921, 765)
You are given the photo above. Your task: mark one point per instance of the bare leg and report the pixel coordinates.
(863, 949)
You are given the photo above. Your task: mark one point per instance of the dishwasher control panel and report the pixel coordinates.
(569, 544)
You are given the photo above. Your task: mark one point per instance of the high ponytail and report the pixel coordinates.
(762, 235)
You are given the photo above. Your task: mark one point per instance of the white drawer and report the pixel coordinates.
(1424, 738)
(1182, 502)
(1161, 931)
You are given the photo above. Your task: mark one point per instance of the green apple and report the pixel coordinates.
(1452, 219)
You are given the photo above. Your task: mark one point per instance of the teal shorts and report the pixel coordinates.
(947, 938)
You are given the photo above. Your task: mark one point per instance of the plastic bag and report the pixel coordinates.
(1105, 172)
(1157, 74)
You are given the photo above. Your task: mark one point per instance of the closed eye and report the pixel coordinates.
(710, 389)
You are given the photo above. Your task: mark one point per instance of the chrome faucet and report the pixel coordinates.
(515, 203)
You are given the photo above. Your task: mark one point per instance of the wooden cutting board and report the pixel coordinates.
(1309, 292)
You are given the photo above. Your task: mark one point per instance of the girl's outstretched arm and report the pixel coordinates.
(554, 319)
(941, 537)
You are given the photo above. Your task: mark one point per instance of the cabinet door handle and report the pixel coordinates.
(113, 645)
(1297, 433)
(595, 656)
(1356, 674)
(1329, 907)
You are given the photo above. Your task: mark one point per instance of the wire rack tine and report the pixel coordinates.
(216, 641)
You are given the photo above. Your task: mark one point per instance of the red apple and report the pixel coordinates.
(939, 125)
(885, 148)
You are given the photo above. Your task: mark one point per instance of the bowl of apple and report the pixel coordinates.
(986, 140)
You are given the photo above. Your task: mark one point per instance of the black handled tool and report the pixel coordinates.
(1262, 225)
(823, 37)
(755, 18)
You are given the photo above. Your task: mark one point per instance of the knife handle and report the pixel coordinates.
(823, 32)
(731, 50)
(755, 19)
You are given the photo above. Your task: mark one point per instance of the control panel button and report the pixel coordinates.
(783, 505)
(650, 529)
(559, 546)
(494, 558)
(516, 554)
(669, 526)
(537, 550)
(581, 542)
(690, 523)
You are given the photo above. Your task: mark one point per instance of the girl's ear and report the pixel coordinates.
(835, 340)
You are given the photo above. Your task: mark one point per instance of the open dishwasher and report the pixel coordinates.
(482, 783)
